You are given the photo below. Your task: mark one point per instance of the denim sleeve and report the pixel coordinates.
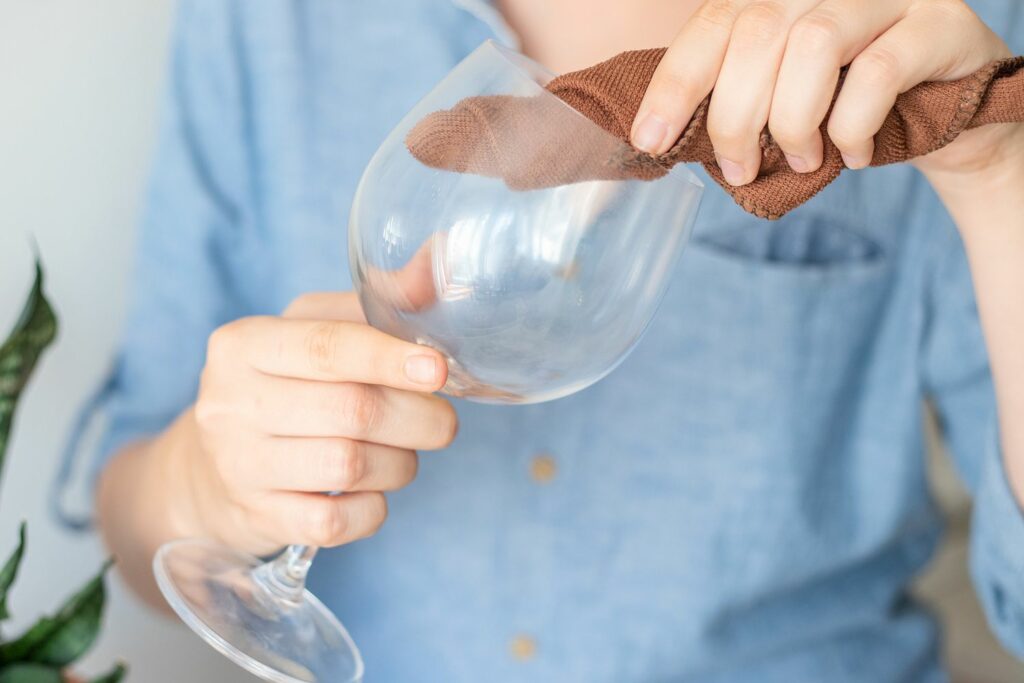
(180, 289)
(959, 383)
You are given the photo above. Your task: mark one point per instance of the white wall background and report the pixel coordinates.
(80, 82)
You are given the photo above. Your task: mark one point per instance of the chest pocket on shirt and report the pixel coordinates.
(765, 328)
(736, 415)
(763, 319)
(771, 328)
(806, 244)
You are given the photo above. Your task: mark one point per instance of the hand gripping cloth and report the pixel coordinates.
(494, 135)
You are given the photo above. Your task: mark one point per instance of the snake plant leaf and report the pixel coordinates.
(30, 673)
(10, 572)
(64, 637)
(113, 676)
(35, 330)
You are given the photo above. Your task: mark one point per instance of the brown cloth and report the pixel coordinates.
(495, 135)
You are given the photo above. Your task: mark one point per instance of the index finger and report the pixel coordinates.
(331, 351)
(685, 76)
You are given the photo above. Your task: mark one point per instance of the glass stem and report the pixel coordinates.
(284, 577)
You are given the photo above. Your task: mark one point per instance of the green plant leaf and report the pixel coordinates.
(10, 572)
(35, 330)
(113, 676)
(30, 673)
(64, 637)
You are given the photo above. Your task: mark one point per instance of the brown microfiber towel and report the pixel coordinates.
(493, 135)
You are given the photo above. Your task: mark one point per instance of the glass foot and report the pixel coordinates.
(225, 596)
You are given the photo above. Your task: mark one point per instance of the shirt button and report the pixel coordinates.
(542, 468)
(523, 648)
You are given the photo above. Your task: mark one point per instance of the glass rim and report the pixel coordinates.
(680, 172)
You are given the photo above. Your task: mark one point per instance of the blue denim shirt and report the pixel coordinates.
(744, 499)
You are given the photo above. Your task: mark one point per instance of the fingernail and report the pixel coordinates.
(798, 164)
(853, 161)
(733, 172)
(650, 134)
(421, 369)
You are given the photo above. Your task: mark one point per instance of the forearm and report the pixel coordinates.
(142, 502)
(988, 207)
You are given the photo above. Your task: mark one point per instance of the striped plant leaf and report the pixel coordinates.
(9, 572)
(34, 331)
(61, 639)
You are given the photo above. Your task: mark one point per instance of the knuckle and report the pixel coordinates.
(877, 67)
(242, 502)
(207, 382)
(361, 408)
(674, 86)
(728, 132)
(413, 469)
(236, 479)
(377, 511)
(326, 523)
(223, 341)
(444, 422)
(817, 33)
(347, 465)
(385, 364)
(244, 513)
(845, 134)
(957, 11)
(790, 131)
(448, 426)
(300, 303)
(762, 21)
(227, 341)
(205, 413)
(717, 14)
(322, 343)
(210, 411)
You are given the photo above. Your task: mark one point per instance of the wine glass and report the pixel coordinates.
(514, 243)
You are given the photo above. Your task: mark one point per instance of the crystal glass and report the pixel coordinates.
(532, 293)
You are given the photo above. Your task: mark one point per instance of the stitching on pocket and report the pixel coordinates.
(806, 244)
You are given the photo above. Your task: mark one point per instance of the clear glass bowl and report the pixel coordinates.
(532, 294)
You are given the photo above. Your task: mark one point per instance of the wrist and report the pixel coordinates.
(985, 199)
(178, 479)
(981, 187)
(144, 499)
